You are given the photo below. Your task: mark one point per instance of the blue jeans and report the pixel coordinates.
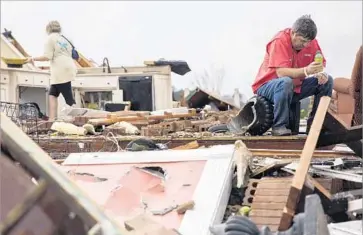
(281, 93)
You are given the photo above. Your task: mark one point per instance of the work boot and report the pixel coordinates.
(281, 131)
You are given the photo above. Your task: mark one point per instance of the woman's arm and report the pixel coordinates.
(40, 58)
(48, 52)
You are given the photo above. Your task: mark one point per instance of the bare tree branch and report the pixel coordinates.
(210, 79)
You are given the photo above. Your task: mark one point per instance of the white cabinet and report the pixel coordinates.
(96, 83)
(4, 86)
(24, 79)
(4, 78)
(4, 92)
(163, 93)
(41, 81)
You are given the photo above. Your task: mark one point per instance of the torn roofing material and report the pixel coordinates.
(154, 184)
(130, 190)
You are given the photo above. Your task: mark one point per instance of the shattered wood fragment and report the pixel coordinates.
(143, 224)
(127, 113)
(172, 126)
(143, 123)
(114, 119)
(195, 125)
(304, 164)
(204, 127)
(40, 127)
(115, 131)
(270, 168)
(190, 145)
(181, 209)
(242, 158)
(182, 125)
(224, 119)
(163, 211)
(152, 131)
(80, 120)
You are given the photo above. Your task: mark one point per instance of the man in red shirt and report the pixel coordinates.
(288, 72)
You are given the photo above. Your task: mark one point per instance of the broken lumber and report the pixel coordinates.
(270, 168)
(304, 164)
(181, 209)
(143, 224)
(109, 121)
(190, 145)
(127, 113)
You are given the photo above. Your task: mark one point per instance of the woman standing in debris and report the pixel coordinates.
(58, 50)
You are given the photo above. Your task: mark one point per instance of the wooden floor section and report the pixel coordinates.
(269, 201)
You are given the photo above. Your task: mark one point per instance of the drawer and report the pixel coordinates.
(41, 81)
(25, 79)
(4, 78)
(95, 84)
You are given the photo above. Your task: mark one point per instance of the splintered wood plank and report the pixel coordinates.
(272, 167)
(319, 187)
(190, 145)
(304, 164)
(269, 205)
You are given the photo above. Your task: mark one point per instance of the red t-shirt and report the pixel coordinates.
(280, 54)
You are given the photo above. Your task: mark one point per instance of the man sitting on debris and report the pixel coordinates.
(288, 72)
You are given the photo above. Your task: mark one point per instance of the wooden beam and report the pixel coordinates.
(304, 164)
(21, 209)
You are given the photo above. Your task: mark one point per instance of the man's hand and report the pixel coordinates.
(314, 68)
(29, 60)
(322, 78)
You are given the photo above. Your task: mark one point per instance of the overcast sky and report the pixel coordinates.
(232, 35)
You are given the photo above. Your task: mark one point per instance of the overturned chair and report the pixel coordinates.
(347, 97)
(344, 117)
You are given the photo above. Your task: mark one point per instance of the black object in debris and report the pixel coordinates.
(114, 107)
(7, 34)
(199, 98)
(179, 67)
(137, 90)
(336, 209)
(30, 110)
(255, 118)
(104, 64)
(15, 66)
(294, 118)
(144, 144)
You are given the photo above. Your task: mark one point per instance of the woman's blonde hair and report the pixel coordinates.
(53, 27)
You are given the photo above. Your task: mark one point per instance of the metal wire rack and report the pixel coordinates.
(26, 116)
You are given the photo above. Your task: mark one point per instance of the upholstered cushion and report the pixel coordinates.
(343, 85)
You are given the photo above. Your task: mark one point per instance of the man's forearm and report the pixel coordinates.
(293, 73)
